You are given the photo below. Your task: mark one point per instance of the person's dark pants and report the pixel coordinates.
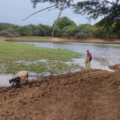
(90, 60)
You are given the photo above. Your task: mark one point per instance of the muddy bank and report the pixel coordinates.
(62, 39)
(89, 95)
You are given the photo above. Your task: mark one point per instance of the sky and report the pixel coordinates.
(13, 11)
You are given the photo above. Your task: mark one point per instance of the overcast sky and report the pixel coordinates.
(13, 11)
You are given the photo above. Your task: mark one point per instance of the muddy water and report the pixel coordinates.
(103, 55)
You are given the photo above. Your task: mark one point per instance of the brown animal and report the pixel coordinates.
(23, 75)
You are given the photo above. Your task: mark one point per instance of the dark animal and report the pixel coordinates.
(15, 80)
(23, 75)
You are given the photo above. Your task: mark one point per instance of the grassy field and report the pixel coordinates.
(14, 57)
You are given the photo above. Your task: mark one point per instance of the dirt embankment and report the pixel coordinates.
(62, 39)
(89, 95)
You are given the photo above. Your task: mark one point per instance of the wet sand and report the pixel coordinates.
(88, 95)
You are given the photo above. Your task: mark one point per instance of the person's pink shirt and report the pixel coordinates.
(89, 54)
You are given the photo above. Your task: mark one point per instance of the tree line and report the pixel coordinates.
(10, 30)
(64, 28)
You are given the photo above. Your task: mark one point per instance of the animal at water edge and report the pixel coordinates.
(23, 75)
(15, 80)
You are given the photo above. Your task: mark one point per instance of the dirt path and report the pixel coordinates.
(90, 95)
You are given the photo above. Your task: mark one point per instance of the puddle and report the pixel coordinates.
(4, 79)
(28, 62)
(44, 74)
(94, 64)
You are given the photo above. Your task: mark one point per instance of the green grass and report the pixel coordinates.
(12, 51)
(52, 67)
(40, 37)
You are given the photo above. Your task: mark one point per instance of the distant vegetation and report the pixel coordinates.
(28, 30)
(64, 28)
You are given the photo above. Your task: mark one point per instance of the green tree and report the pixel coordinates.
(61, 24)
(8, 29)
(68, 2)
(8, 32)
(110, 10)
(81, 31)
(45, 30)
(85, 30)
(93, 8)
(103, 30)
(30, 30)
(4, 26)
(69, 31)
(96, 8)
(23, 30)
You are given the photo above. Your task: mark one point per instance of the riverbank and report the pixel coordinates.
(63, 39)
(84, 95)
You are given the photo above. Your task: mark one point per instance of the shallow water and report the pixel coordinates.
(28, 62)
(4, 79)
(103, 55)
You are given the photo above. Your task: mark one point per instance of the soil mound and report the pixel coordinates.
(89, 95)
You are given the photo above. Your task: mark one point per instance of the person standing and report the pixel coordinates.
(89, 55)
